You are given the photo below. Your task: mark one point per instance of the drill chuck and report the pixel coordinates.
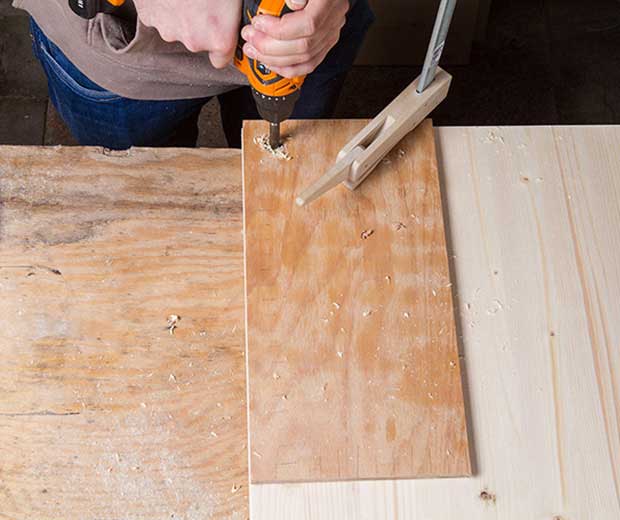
(275, 109)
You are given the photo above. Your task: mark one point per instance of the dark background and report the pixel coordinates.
(541, 62)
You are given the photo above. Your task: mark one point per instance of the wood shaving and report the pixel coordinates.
(276, 376)
(213, 434)
(399, 225)
(337, 305)
(406, 315)
(173, 323)
(367, 233)
(497, 306)
(279, 153)
(340, 354)
(487, 496)
(367, 313)
(235, 488)
(388, 279)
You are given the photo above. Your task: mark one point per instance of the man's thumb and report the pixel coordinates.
(296, 5)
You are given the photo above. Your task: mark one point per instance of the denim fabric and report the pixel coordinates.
(99, 117)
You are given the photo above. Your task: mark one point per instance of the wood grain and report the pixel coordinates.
(533, 219)
(351, 344)
(104, 414)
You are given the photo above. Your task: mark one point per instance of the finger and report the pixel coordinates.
(291, 26)
(295, 5)
(220, 60)
(266, 45)
(278, 61)
(305, 68)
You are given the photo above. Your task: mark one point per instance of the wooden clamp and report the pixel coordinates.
(364, 152)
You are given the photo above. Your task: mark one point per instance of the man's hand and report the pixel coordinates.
(297, 43)
(205, 25)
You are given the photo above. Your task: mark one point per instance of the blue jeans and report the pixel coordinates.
(99, 117)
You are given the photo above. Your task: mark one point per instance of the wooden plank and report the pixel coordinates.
(104, 413)
(351, 345)
(533, 216)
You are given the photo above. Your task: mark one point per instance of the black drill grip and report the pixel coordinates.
(90, 8)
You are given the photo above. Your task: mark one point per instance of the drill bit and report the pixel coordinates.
(274, 135)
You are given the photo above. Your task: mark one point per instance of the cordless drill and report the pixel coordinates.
(274, 95)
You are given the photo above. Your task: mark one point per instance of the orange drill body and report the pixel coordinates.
(260, 77)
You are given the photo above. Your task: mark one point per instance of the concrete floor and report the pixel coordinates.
(542, 62)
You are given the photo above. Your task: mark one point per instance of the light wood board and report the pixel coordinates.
(352, 353)
(104, 414)
(533, 221)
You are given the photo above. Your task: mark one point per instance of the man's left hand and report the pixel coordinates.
(297, 43)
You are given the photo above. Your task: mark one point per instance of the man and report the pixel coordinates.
(140, 78)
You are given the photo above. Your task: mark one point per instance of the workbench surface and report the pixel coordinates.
(105, 414)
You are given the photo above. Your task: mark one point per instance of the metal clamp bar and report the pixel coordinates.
(437, 43)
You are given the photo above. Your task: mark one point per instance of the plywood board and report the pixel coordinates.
(352, 353)
(105, 413)
(533, 217)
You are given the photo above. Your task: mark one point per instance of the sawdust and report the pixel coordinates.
(367, 233)
(173, 321)
(279, 153)
(487, 496)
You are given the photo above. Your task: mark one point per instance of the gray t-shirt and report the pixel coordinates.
(132, 61)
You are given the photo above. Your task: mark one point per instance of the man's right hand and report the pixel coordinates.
(201, 25)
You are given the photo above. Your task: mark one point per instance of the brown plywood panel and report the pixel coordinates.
(351, 345)
(104, 411)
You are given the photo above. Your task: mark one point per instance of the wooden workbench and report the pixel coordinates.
(533, 218)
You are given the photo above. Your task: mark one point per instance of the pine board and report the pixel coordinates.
(352, 354)
(104, 414)
(533, 225)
